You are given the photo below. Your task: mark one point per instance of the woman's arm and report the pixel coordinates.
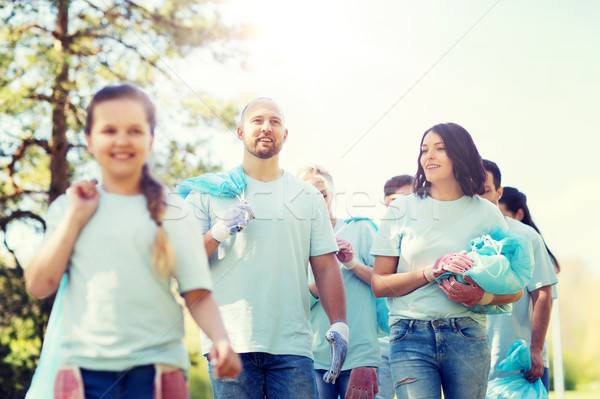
(387, 283)
(44, 272)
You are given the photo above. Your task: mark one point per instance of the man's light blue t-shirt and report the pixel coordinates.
(421, 230)
(363, 349)
(504, 329)
(116, 313)
(261, 273)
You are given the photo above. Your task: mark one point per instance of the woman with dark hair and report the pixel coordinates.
(437, 341)
(513, 204)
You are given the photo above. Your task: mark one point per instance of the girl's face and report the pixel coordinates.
(436, 164)
(120, 139)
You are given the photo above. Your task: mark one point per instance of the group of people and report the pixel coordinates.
(292, 301)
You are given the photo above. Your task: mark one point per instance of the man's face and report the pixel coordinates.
(492, 193)
(400, 192)
(263, 131)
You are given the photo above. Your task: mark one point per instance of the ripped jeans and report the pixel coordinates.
(451, 354)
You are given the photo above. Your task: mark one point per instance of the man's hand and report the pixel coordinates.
(363, 383)
(337, 335)
(235, 220)
(537, 366)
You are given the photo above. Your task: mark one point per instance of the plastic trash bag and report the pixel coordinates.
(228, 184)
(42, 384)
(503, 262)
(503, 265)
(515, 386)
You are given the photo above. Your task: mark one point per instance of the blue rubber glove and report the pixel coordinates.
(337, 336)
(235, 220)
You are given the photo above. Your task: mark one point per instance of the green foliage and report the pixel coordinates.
(19, 336)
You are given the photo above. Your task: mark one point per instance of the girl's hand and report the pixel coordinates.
(225, 362)
(83, 200)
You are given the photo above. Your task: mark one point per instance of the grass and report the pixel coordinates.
(578, 394)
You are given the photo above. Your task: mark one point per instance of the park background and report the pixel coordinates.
(359, 83)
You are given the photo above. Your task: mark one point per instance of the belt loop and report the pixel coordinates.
(454, 326)
(410, 326)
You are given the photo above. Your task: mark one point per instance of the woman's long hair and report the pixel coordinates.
(468, 168)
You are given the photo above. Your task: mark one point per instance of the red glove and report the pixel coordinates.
(454, 262)
(468, 294)
(363, 383)
(346, 254)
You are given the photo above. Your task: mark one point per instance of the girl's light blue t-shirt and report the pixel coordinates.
(421, 230)
(116, 313)
(363, 349)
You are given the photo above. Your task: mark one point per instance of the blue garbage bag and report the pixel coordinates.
(503, 262)
(227, 184)
(515, 386)
(42, 384)
(503, 265)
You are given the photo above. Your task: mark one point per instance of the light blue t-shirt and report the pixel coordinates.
(421, 230)
(261, 273)
(116, 313)
(504, 329)
(363, 350)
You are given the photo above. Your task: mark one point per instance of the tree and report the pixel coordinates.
(53, 56)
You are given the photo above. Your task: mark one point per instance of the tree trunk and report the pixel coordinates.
(59, 167)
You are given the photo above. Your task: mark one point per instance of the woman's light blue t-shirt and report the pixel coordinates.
(363, 349)
(421, 230)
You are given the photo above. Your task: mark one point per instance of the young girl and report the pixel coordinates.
(120, 244)
(354, 238)
(436, 341)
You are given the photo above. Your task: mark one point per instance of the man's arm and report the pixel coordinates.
(540, 319)
(210, 244)
(330, 286)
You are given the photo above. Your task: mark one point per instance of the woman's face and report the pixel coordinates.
(323, 188)
(436, 163)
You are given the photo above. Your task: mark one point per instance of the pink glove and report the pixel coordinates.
(454, 262)
(363, 383)
(345, 253)
(468, 294)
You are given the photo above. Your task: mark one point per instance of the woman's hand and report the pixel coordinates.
(454, 262)
(468, 294)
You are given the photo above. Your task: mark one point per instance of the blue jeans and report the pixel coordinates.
(546, 379)
(332, 391)
(453, 354)
(267, 375)
(135, 383)
(384, 378)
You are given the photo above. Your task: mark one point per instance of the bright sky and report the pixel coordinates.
(361, 81)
